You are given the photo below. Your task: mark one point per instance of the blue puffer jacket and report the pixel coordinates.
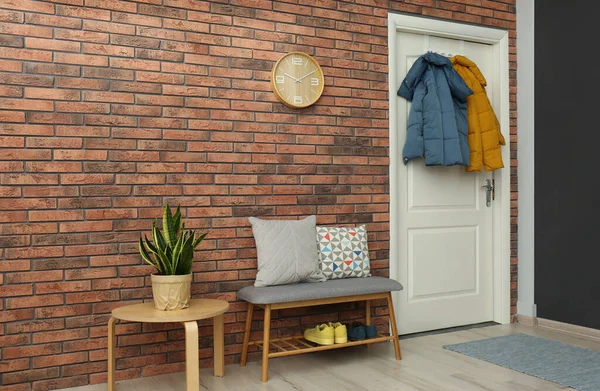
(437, 122)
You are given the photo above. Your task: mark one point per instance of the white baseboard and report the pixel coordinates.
(527, 320)
(526, 308)
(559, 326)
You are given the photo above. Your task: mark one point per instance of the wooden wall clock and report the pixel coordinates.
(297, 80)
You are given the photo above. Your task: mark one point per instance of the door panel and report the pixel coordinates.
(445, 236)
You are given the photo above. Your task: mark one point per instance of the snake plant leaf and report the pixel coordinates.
(169, 229)
(169, 269)
(162, 269)
(162, 248)
(158, 238)
(199, 240)
(150, 245)
(145, 255)
(177, 218)
(176, 257)
(187, 257)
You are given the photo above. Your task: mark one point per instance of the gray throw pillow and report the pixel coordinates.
(287, 251)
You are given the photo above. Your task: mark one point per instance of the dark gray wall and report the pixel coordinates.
(567, 161)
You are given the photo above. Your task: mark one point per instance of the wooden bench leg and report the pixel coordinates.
(368, 316)
(265, 347)
(394, 329)
(247, 334)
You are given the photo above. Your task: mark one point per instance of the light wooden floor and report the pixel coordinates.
(425, 366)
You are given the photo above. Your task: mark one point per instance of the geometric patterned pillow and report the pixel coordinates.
(343, 252)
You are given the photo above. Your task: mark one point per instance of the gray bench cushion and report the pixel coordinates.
(318, 290)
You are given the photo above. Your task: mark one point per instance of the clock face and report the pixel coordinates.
(297, 80)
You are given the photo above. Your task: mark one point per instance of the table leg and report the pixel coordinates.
(219, 345)
(111, 353)
(192, 370)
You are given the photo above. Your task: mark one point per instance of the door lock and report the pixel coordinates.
(490, 192)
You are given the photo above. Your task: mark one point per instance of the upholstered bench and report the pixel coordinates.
(310, 294)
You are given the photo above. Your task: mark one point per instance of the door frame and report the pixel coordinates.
(501, 205)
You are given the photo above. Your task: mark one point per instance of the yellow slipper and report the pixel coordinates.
(322, 334)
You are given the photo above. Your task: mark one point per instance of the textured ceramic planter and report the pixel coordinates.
(171, 292)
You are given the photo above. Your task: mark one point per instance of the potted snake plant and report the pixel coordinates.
(171, 252)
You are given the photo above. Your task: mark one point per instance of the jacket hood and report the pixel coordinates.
(436, 59)
(416, 72)
(465, 62)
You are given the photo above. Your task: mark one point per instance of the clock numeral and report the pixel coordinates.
(314, 81)
(279, 79)
(296, 61)
(297, 100)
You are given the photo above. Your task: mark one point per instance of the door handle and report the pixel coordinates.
(490, 192)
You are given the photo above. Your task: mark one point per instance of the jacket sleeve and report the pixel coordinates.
(414, 147)
(412, 79)
(501, 139)
(457, 85)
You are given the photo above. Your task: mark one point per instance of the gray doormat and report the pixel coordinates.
(566, 365)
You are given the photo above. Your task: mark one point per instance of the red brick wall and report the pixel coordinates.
(110, 108)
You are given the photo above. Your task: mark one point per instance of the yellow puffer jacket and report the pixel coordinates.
(484, 129)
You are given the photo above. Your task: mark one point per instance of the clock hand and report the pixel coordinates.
(292, 77)
(307, 75)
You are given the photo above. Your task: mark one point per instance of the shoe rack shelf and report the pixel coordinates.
(290, 346)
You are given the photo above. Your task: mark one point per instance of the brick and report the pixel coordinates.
(138, 42)
(108, 73)
(136, 19)
(16, 290)
(83, 83)
(54, 21)
(25, 54)
(14, 278)
(30, 375)
(15, 42)
(50, 44)
(110, 50)
(167, 12)
(49, 69)
(62, 311)
(34, 301)
(64, 382)
(13, 92)
(79, 155)
(81, 59)
(33, 228)
(115, 5)
(159, 55)
(90, 297)
(28, 5)
(54, 167)
(12, 116)
(11, 16)
(86, 226)
(82, 12)
(50, 93)
(47, 118)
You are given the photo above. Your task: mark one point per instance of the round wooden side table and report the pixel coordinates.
(199, 309)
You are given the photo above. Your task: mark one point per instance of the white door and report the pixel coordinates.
(445, 228)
